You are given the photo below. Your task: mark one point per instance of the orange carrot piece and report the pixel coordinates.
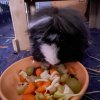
(28, 97)
(39, 83)
(30, 88)
(52, 70)
(47, 83)
(22, 79)
(41, 89)
(39, 71)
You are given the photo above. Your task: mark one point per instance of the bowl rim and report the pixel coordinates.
(83, 90)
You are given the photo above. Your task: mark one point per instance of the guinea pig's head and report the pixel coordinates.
(56, 35)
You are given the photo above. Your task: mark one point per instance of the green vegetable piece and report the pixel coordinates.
(29, 70)
(58, 95)
(60, 88)
(68, 96)
(39, 96)
(74, 84)
(20, 89)
(48, 96)
(52, 91)
(61, 69)
(62, 98)
(64, 78)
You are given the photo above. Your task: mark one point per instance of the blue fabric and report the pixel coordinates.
(90, 62)
(7, 57)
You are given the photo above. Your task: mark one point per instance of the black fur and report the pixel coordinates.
(71, 34)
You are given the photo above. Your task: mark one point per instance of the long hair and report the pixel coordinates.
(62, 27)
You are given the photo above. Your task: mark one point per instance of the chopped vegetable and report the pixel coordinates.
(39, 83)
(60, 88)
(29, 70)
(47, 83)
(63, 93)
(45, 75)
(31, 78)
(50, 87)
(30, 88)
(56, 80)
(22, 79)
(52, 70)
(37, 80)
(53, 75)
(39, 96)
(68, 96)
(58, 95)
(41, 89)
(57, 84)
(21, 88)
(67, 90)
(28, 97)
(23, 74)
(62, 98)
(61, 69)
(53, 90)
(74, 84)
(64, 78)
(48, 96)
(39, 71)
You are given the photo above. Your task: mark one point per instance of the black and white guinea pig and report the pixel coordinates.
(57, 35)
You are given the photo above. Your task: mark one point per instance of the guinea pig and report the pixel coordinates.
(58, 35)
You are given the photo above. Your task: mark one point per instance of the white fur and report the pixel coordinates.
(37, 22)
(50, 53)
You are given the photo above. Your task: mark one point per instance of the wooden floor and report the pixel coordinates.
(7, 57)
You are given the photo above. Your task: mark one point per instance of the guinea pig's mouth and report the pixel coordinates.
(49, 65)
(46, 63)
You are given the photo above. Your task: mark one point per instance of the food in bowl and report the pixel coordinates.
(10, 78)
(47, 83)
